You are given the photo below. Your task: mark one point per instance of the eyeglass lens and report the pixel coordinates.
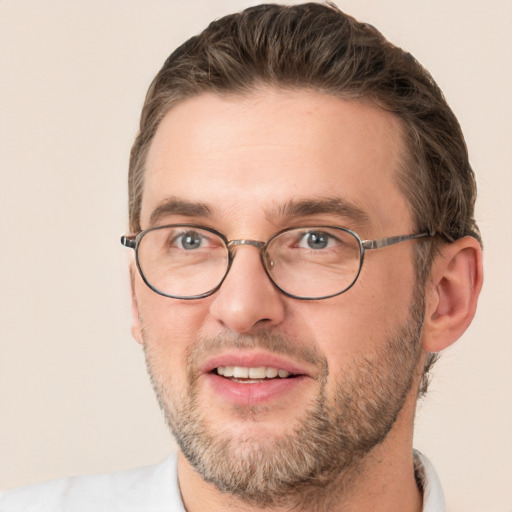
(306, 262)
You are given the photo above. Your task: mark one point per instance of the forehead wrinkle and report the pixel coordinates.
(329, 205)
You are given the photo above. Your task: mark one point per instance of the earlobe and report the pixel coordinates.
(452, 294)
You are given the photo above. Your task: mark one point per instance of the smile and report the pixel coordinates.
(253, 377)
(252, 374)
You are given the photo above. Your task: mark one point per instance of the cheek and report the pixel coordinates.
(169, 328)
(356, 323)
(168, 332)
(387, 283)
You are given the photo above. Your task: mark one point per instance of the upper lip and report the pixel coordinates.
(252, 359)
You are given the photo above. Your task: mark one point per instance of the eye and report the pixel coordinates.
(315, 240)
(189, 240)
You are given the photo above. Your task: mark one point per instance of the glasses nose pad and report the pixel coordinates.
(268, 262)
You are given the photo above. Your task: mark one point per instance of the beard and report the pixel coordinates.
(338, 428)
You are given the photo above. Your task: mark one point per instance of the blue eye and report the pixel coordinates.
(189, 241)
(315, 240)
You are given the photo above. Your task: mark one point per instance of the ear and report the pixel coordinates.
(136, 323)
(452, 293)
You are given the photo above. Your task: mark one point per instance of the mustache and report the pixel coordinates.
(275, 343)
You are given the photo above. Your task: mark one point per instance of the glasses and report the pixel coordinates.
(185, 261)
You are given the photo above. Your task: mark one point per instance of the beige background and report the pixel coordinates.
(74, 396)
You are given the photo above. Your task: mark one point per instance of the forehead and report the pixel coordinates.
(249, 156)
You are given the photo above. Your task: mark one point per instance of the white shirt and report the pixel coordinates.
(151, 489)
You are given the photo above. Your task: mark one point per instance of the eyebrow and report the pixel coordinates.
(291, 209)
(175, 206)
(330, 205)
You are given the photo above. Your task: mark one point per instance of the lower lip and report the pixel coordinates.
(254, 393)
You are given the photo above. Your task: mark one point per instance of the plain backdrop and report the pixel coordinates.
(74, 395)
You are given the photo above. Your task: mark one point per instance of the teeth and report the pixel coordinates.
(228, 371)
(260, 372)
(240, 372)
(272, 373)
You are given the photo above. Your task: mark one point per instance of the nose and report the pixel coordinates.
(247, 299)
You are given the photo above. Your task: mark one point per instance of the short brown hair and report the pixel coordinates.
(317, 46)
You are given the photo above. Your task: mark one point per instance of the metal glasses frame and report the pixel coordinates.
(133, 241)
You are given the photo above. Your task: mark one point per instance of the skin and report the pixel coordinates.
(245, 158)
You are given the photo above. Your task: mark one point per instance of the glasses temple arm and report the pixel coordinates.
(392, 240)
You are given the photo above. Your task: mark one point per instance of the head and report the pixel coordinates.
(319, 47)
(284, 52)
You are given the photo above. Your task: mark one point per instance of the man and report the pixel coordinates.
(301, 214)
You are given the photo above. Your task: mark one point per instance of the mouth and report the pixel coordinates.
(252, 375)
(251, 379)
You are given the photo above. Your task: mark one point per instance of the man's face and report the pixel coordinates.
(241, 165)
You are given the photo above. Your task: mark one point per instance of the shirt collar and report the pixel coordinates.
(426, 476)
